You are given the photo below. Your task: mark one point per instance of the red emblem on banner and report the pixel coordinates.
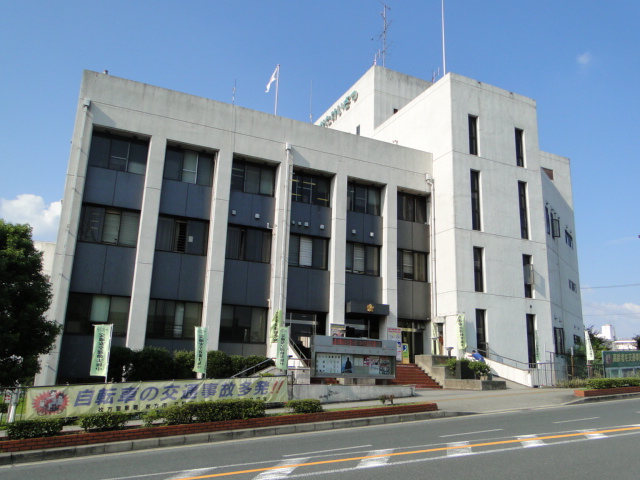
(51, 402)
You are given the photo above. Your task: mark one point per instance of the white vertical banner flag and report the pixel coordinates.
(200, 364)
(101, 348)
(587, 341)
(282, 357)
(273, 78)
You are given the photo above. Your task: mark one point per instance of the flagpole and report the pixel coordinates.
(444, 54)
(275, 110)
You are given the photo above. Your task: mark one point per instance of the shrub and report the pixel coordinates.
(35, 428)
(120, 359)
(465, 371)
(4, 407)
(238, 364)
(218, 365)
(216, 411)
(151, 418)
(152, 363)
(184, 362)
(479, 368)
(180, 414)
(386, 398)
(101, 422)
(601, 383)
(305, 406)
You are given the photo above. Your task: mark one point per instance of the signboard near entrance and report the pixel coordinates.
(395, 334)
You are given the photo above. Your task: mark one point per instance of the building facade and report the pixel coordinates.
(410, 204)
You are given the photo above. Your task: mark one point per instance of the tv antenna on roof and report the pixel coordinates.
(385, 26)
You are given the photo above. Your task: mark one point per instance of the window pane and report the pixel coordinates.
(197, 237)
(205, 169)
(138, 157)
(119, 314)
(296, 187)
(178, 320)
(267, 181)
(237, 177)
(306, 245)
(119, 154)
(266, 247)
(189, 166)
(351, 197)
(78, 313)
(129, 229)
(91, 224)
(252, 179)
(321, 192)
(173, 163)
(242, 324)
(100, 309)
(407, 265)
(234, 243)
(308, 184)
(349, 257)
(192, 319)
(258, 325)
(320, 253)
(420, 267)
(360, 199)
(180, 237)
(164, 238)
(111, 227)
(358, 258)
(226, 323)
(294, 250)
(373, 201)
(421, 210)
(373, 260)
(99, 151)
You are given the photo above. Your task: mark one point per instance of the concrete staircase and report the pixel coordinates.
(412, 374)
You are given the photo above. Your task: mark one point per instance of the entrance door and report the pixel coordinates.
(413, 336)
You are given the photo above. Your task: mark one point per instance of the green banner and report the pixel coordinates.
(202, 334)
(74, 400)
(101, 349)
(587, 341)
(462, 332)
(282, 356)
(276, 322)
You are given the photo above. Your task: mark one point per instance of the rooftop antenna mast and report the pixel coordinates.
(444, 54)
(385, 26)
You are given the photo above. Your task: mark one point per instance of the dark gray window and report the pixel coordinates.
(112, 226)
(527, 267)
(478, 269)
(413, 266)
(363, 259)
(250, 244)
(558, 340)
(116, 152)
(473, 135)
(313, 189)
(363, 198)
(522, 205)
(413, 208)
(173, 319)
(85, 310)
(305, 251)
(568, 239)
(547, 220)
(188, 166)
(239, 324)
(519, 147)
(481, 331)
(475, 200)
(182, 235)
(252, 178)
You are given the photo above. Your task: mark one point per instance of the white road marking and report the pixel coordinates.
(471, 433)
(578, 420)
(189, 473)
(375, 462)
(593, 436)
(283, 472)
(325, 451)
(458, 452)
(531, 443)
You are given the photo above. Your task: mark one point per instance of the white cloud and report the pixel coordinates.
(31, 209)
(625, 317)
(584, 60)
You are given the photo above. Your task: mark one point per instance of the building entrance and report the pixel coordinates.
(413, 336)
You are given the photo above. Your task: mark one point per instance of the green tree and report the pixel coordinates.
(598, 343)
(25, 295)
(637, 339)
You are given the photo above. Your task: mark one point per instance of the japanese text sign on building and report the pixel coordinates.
(75, 400)
(201, 350)
(101, 349)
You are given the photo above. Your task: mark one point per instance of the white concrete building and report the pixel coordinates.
(414, 205)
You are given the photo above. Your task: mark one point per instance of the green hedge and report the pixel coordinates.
(35, 428)
(305, 406)
(101, 422)
(601, 383)
(197, 412)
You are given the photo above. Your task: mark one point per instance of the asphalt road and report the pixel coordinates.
(587, 441)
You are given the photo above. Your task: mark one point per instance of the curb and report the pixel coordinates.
(202, 438)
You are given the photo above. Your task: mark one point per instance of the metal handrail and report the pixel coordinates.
(251, 368)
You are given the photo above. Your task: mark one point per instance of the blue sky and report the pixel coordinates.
(577, 58)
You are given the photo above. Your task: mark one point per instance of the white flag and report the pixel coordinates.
(273, 78)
